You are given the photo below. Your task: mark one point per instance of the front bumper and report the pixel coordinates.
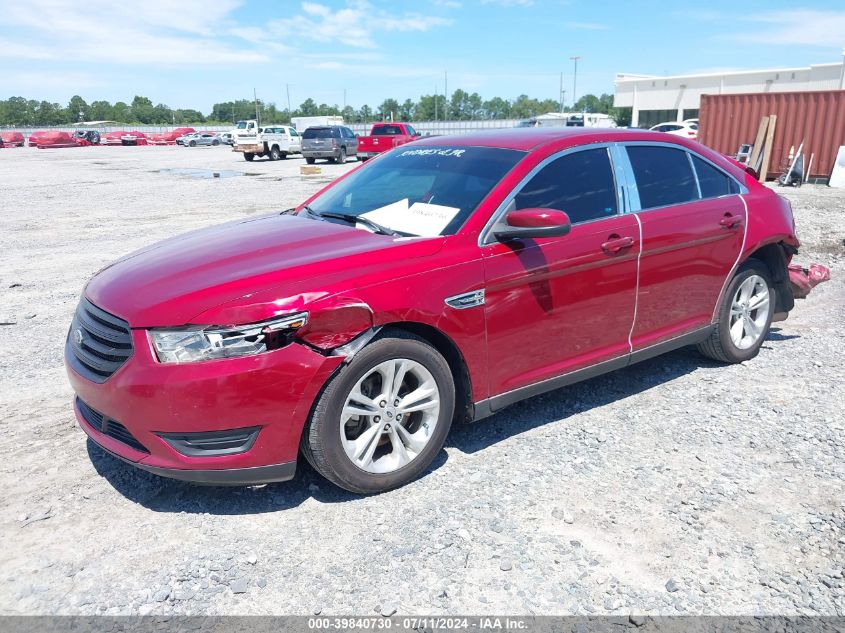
(153, 401)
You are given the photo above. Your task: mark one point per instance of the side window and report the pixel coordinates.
(664, 175)
(713, 183)
(293, 132)
(581, 184)
(410, 130)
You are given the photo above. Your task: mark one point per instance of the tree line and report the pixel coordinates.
(461, 106)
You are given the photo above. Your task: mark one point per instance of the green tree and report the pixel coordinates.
(77, 110)
(365, 114)
(307, 108)
(496, 108)
(121, 112)
(389, 107)
(100, 111)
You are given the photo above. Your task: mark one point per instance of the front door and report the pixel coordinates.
(555, 305)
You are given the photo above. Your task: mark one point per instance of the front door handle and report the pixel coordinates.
(730, 221)
(614, 244)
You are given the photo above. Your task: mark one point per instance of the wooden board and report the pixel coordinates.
(309, 170)
(767, 147)
(757, 149)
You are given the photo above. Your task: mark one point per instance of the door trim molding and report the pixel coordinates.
(492, 405)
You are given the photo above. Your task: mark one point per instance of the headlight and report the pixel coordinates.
(192, 344)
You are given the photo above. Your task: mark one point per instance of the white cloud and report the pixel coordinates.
(354, 25)
(801, 27)
(152, 32)
(449, 4)
(509, 3)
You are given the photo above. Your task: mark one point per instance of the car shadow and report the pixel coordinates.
(160, 494)
(167, 495)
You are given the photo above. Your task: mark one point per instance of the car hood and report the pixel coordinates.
(174, 281)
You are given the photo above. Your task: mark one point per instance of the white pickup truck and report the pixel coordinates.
(273, 141)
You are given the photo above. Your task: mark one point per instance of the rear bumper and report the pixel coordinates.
(248, 149)
(321, 153)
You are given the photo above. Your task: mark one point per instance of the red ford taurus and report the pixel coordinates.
(440, 282)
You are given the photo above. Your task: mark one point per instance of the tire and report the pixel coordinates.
(733, 317)
(310, 160)
(341, 157)
(387, 468)
(275, 154)
(215, 142)
(193, 143)
(360, 159)
(248, 157)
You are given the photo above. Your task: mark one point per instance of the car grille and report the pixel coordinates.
(99, 342)
(107, 426)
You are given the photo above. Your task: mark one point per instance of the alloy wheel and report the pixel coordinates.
(749, 312)
(389, 416)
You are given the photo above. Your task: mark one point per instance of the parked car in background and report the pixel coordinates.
(169, 138)
(55, 139)
(274, 141)
(199, 138)
(385, 136)
(12, 139)
(684, 129)
(134, 138)
(540, 257)
(91, 136)
(32, 139)
(333, 142)
(113, 138)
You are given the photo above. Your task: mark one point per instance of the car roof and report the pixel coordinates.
(526, 139)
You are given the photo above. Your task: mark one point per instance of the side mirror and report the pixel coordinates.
(527, 223)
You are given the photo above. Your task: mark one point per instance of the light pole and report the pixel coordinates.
(575, 59)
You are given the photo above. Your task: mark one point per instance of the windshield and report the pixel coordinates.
(426, 191)
(317, 132)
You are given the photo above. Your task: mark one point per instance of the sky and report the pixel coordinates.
(193, 53)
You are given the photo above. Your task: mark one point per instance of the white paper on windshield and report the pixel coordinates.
(427, 220)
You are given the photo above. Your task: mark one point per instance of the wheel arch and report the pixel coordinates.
(447, 347)
(775, 256)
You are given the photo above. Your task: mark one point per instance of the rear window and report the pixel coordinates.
(712, 182)
(317, 132)
(664, 176)
(386, 130)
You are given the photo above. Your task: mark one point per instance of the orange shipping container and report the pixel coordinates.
(816, 118)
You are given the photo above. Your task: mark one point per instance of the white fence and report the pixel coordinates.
(424, 127)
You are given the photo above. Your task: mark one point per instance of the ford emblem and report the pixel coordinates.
(77, 336)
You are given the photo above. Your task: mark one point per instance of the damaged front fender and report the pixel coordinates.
(335, 322)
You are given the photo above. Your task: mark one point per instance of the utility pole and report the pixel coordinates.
(561, 92)
(287, 89)
(575, 59)
(445, 95)
(435, 103)
(344, 98)
(257, 116)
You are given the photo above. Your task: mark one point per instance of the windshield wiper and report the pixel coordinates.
(352, 219)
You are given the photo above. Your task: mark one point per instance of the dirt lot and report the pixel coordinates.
(675, 486)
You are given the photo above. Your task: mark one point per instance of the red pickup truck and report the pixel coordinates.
(385, 136)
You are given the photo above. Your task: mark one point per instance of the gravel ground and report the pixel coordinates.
(675, 486)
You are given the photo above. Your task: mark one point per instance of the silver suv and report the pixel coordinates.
(334, 142)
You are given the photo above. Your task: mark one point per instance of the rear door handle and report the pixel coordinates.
(730, 221)
(615, 244)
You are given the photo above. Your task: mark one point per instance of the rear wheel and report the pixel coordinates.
(248, 156)
(310, 160)
(193, 143)
(341, 157)
(745, 315)
(382, 418)
(215, 142)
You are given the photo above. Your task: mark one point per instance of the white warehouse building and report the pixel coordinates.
(655, 99)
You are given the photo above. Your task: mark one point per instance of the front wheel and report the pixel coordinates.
(248, 157)
(382, 418)
(215, 142)
(275, 154)
(341, 158)
(193, 143)
(744, 317)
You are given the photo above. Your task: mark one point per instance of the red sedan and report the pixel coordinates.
(440, 282)
(12, 139)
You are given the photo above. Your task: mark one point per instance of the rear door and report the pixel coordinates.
(555, 305)
(295, 141)
(693, 226)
